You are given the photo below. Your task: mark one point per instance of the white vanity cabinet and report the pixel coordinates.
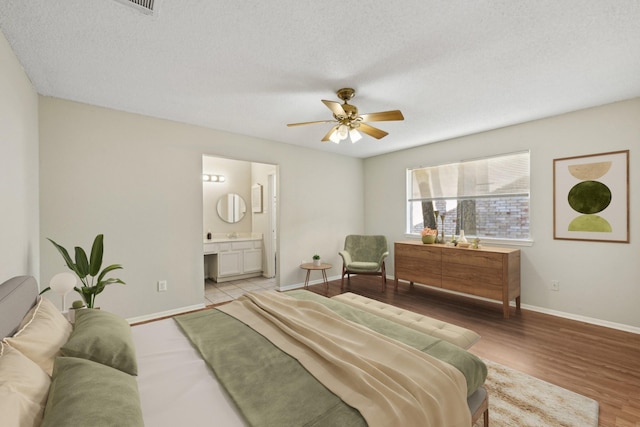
(234, 259)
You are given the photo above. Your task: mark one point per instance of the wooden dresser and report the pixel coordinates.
(488, 272)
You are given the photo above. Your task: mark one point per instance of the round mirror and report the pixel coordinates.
(231, 208)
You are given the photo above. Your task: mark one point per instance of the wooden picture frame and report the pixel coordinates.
(591, 197)
(256, 198)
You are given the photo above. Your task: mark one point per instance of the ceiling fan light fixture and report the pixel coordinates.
(343, 131)
(335, 137)
(355, 136)
(347, 122)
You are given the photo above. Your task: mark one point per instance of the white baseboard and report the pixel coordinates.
(557, 313)
(311, 282)
(585, 319)
(168, 313)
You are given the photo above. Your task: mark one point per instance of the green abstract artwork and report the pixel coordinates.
(591, 197)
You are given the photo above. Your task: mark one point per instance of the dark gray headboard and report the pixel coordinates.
(17, 296)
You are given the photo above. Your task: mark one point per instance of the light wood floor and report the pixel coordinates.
(598, 362)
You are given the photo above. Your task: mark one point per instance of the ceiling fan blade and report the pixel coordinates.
(326, 137)
(382, 116)
(371, 131)
(335, 107)
(310, 123)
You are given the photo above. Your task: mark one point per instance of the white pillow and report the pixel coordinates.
(41, 334)
(24, 387)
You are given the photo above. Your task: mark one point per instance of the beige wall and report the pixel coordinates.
(138, 180)
(19, 229)
(598, 281)
(238, 181)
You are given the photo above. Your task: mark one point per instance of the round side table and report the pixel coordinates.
(323, 267)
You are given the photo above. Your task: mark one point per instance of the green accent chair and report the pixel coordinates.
(364, 254)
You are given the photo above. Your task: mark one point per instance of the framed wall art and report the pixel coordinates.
(591, 197)
(256, 198)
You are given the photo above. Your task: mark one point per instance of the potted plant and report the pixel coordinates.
(316, 260)
(89, 270)
(75, 306)
(429, 235)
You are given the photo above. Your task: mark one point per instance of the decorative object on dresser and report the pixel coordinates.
(429, 235)
(488, 272)
(87, 269)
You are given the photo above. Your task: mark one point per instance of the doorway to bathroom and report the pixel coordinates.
(240, 220)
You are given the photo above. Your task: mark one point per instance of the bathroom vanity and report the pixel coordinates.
(233, 256)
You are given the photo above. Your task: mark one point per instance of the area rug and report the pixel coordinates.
(519, 400)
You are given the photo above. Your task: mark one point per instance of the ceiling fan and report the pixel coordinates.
(349, 122)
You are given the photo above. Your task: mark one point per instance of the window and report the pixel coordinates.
(487, 198)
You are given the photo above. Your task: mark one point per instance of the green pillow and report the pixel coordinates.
(104, 338)
(85, 393)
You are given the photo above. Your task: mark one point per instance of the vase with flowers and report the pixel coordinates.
(429, 235)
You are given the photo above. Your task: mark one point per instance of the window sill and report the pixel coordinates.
(489, 241)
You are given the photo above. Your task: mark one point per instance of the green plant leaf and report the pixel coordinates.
(96, 255)
(87, 293)
(82, 263)
(107, 270)
(65, 256)
(112, 280)
(99, 287)
(85, 268)
(48, 288)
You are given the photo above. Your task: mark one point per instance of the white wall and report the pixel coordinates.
(19, 228)
(138, 180)
(597, 280)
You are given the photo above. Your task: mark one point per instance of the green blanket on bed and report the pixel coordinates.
(473, 369)
(271, 388)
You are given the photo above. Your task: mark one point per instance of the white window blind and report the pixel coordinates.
(488, 198)
(506, 175)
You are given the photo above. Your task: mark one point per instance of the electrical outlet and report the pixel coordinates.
(162, 285)
(555, 285)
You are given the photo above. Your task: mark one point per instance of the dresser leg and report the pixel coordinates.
(505, 309)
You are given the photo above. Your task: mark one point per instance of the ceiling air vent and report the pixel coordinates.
(144, 6)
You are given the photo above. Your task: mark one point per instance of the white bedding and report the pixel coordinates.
(176, 387)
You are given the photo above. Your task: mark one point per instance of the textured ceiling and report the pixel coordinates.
(250, 67)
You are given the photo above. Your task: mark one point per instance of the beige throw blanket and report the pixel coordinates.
(391, 384)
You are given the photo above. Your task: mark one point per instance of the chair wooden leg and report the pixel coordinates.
(342, 282)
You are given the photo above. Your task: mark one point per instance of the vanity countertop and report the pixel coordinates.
(232, 237)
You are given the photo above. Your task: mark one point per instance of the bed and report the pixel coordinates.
(230, 367)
